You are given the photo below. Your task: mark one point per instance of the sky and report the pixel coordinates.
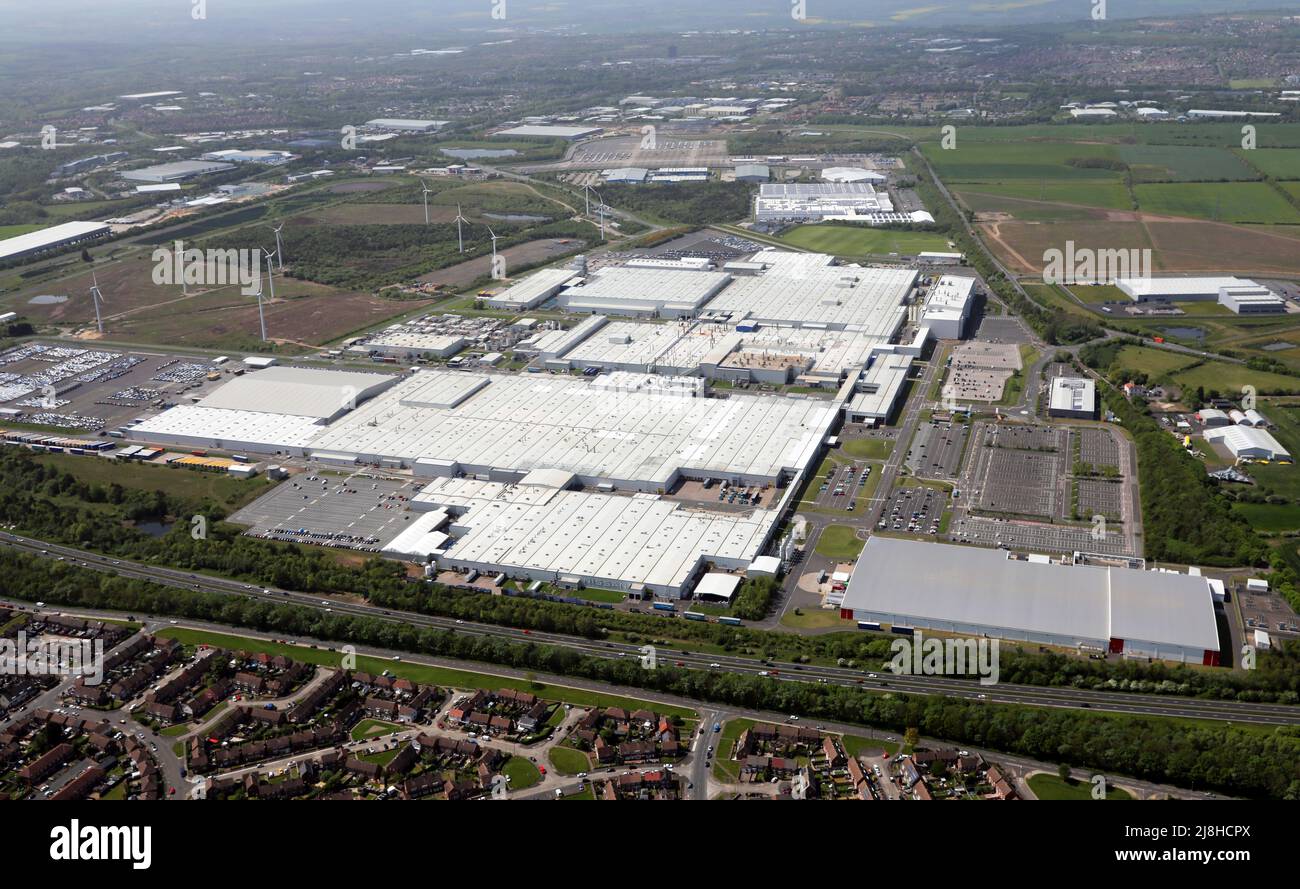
(126, 21)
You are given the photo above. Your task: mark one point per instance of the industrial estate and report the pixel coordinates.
(735, 425)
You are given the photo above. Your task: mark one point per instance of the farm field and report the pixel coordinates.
(1183, 163)
(1177, 245)
(1279, 163)
(1218, 135)
(1223, 377)
(1025, 200)
(1221, 202)
(998, 162)
(846, 240)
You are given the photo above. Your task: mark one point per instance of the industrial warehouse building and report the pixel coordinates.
(1249, 298)
(806, 202)
(52, 238)
(947, 306)
(635, 432)
(532, 291)
(176, 171)
(1250, 443)
(1145, 289)
(406, 124)
(659, 293)
(545, 131)
(982, 592)
(1073, 397)
(539, 529)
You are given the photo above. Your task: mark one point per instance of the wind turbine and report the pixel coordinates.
(460, 240)
(587, 192)
(493, 236)
(279, 248)
(270, 280)
(95, 297)
(424, 188)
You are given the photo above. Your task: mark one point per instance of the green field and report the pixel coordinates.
(13, 231)
(839, 542)
(1280, 163)
(1270, 517)
(984, 196)
(849, 240)
(568, 761)
(868, 448)
(1221, 202)
(1154, 363)
(1183, 163)
(1047, 786)
(521, 773)
(423, 673)
(996, 162)
(1098, 293)
(172, 480)
(372, 728)
(1222, 377)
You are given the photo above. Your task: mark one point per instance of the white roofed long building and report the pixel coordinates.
(986, 592)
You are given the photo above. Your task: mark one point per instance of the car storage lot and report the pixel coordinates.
(937, 449)
(92, 388)
(356, 511)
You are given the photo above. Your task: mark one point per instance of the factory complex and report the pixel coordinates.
(627, 475)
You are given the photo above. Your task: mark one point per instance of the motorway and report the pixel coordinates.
(1061, 698)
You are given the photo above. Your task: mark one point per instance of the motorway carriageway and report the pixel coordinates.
(1004, 693)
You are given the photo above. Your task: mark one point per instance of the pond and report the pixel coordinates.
(516, 217)
(1184, 333)
(47, 299)
(154, 529)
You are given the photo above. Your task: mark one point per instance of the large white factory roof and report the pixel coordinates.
(833, 352)
(405, 123)
(827, 200)
(193, 426)
(880, 387)
(804, 289)
(604, 539)
(851, 174)
(1073, 395)
(54, 236)
(1176, 288)
(297, 391)
(533, 290)
(550, 132)
(623, 290)
(519, 423)
(949, 301)
(627, 343)
(972, 586)
(1248, 441)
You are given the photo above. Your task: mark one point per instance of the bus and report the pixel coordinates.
(868, 625)
(694, 615)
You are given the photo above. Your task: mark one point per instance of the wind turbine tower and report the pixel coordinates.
(460, 239)
(96, 297)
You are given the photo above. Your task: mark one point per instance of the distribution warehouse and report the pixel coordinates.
(990, 592)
